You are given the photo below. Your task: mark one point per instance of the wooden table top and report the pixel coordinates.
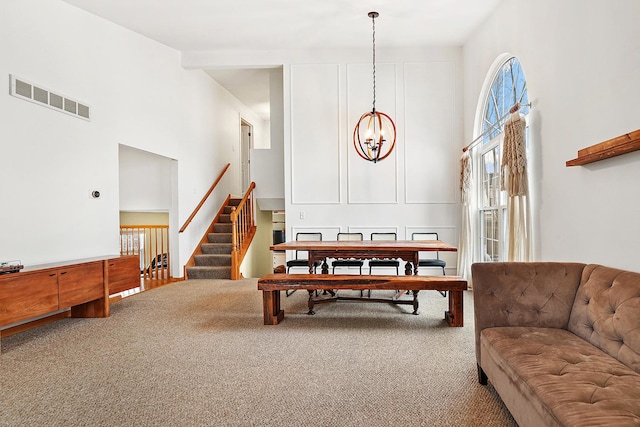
(371, 245)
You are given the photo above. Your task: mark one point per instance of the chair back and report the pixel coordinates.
(426, 236)
(307, 237)
(384, 236)
(349, 236)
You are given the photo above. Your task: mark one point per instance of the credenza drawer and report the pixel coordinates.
(80, 284)
(124, 273)
(27, 295)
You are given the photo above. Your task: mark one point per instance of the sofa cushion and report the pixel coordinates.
(562, 376)
(539, 294)
(606, 312)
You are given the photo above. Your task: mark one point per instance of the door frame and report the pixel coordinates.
(246, 143)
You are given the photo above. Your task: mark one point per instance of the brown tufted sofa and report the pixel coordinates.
(560, 342)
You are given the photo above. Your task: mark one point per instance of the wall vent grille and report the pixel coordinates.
(28, 91)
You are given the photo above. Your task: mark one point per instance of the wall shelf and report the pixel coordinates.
(623, 144)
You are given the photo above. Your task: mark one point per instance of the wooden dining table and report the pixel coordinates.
(407, 250)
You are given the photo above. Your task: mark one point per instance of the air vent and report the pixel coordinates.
(55, 100)
(40, 95)
(22, 88)
(28, 91)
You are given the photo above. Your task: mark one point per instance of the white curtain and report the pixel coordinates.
(465, 245)
(515, 182)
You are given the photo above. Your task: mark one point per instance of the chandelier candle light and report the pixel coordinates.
(375, 134)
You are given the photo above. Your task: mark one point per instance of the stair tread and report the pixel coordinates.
(207, 272)
(214, 261)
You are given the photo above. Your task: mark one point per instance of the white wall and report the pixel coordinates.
(140, 97)
(267, 162)
(581, 62)
(144, 181)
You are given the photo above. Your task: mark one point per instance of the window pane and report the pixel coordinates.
(490, 235)
(490, 178)
(505, 237)
(508, 88)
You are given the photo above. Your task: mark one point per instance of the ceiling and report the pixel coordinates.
(209, 25)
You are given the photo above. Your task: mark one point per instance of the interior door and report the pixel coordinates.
(245, 149)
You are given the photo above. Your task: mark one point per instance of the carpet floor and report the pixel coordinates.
(196, 353)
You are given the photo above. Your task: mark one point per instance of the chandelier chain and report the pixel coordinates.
(373, 20)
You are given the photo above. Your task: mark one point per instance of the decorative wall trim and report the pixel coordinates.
(308, 130)
(430, 129)
(385, 177)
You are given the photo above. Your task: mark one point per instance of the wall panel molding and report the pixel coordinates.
(368, 182)
(315, 134)
(429, 127)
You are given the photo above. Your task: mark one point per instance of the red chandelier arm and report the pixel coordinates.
(393, 142)
(357, 144)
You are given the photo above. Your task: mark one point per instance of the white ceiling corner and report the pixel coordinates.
(201, 26)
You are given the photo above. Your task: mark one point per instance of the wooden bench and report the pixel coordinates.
(272, 284)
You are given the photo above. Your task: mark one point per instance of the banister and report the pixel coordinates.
(204, 199)
(242, 230)
(234, 214)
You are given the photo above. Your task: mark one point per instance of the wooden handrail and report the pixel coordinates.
(204, 199)
(242, 230)
(236, 212)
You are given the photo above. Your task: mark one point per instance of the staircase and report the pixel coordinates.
(215, 260)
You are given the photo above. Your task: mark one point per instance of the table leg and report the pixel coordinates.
(415, 302)
(325, 267)
(271, 307)
(455, 315)
(310, 303)
(408, 270)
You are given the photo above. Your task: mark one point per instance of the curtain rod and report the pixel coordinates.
(512, 110)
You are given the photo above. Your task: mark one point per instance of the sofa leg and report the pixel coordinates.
(482, 377)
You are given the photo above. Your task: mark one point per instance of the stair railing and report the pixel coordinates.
(204, 199)
(243, 228)
(151, 244)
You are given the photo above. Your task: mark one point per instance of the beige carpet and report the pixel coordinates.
(195, 353)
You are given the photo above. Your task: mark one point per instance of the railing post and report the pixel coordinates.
(234, 244)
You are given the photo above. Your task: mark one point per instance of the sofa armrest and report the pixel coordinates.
(538, 294)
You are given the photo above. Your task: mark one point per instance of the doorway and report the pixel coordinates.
(246, 142)
(148, 199)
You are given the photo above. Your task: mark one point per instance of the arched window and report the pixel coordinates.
(508, 88)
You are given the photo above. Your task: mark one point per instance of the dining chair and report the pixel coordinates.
(430, 262)
(348, 262)
(386, 262)
(301, 259)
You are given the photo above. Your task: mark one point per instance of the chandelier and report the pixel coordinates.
(375, 134)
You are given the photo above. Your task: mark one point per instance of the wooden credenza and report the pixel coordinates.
(83, 286)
